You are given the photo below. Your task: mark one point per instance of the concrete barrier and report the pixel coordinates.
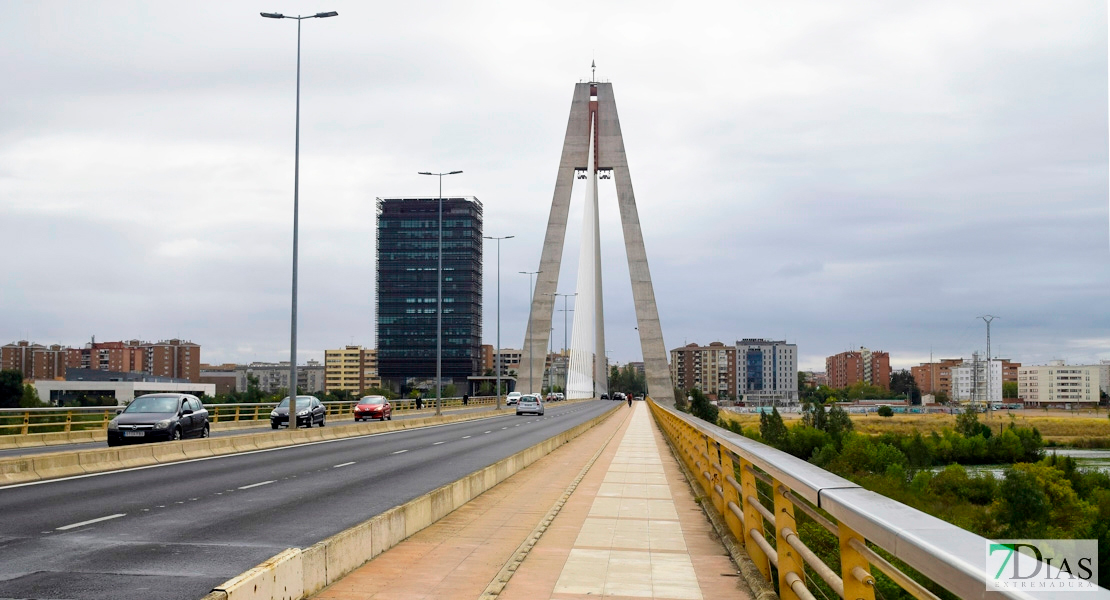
(278, 578)
(104, 459)
(19, 470)
(138, 455)
(196, 448)
(330, 560)
(60, 464)
(168, 452)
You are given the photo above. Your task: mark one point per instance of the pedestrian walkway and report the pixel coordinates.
(630, 529)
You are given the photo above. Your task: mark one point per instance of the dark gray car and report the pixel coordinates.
(159, 417)
(310, 411)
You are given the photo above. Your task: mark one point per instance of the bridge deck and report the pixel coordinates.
(630, 529)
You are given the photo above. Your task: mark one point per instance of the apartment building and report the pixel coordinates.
(174, 358)
(1058, 385)
(275, 376)
(933, 377)
(711, 369)
(848, 368)
(351, 368)
(977, 381)
(35, 361)
(767, 371)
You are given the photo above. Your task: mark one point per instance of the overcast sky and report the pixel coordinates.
(836, 174)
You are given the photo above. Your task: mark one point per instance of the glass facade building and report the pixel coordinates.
(406, 304)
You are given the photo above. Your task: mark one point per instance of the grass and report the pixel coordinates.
(1060, 427)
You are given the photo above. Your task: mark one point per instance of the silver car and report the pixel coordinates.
(529, 404)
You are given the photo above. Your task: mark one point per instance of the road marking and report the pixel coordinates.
(466, 437)
(437, 443)
(504, 428)
(91, 521)
(517, 425)
(485, 432)
(343, 464)
(400, 451)
(253, 485)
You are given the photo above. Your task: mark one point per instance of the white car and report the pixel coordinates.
(529, 404)
(512, 398)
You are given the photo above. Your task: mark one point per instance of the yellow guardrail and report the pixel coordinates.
(759, 491)
(24, 421)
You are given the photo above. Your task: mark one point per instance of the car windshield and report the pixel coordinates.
(302, 401)
(371, 400)
(153, 404)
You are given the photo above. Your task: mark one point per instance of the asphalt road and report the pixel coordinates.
(332, 421)
(177, 530)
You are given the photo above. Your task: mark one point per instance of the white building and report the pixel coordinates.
(510, 361)
(767, 371)
(275, 376)
(970, 381)
(1104, 376)
(123, 391)
(1059, 385)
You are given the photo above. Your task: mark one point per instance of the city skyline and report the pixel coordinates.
(834, 176)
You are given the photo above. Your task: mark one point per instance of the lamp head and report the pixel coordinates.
(273, 15)
(325, 15)
(454, 172)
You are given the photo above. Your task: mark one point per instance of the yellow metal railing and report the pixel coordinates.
(759, 490)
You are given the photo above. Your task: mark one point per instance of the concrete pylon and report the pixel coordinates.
(610, 156)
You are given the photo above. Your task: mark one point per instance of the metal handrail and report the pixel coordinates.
(947, 555)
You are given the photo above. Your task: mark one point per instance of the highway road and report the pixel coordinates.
(332, 421)
(177, 530)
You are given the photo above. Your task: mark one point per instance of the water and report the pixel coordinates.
(1087, 459)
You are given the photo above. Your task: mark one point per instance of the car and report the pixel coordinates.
(559, 396)
(159, 417)
(604, 396)
(640, 397)
(619, 396)
(373, 407)
(310, 411)
(512, 398)
(530, 403)
(551, 397)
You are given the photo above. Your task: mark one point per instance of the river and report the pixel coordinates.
(1087, 459)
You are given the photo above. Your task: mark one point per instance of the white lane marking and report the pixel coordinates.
(485, 432)
(91, 521)
(437, 443)
(253, 485)
(343, 464)
(504, 428)
(517, 425)
(400, 451)
(466, 437)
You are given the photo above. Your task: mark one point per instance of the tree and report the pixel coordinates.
(11, 388)
(903, 384)
(30, 398)
(701, 408)
(773, 430)
(967, 422)
(838, 423)
(1009, 389)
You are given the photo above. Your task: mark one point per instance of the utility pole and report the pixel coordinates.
(988, 319)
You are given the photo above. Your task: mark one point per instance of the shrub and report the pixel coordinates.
(886, 411)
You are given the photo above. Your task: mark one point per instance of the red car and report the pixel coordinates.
(373, 407)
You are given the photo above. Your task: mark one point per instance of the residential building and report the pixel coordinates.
(977, 381)
(767, 371)
(937, 376)
(1059, 385)
(352, 369)
(817, 378)
(1104, 376)
(34, 361)
(848, 368)
(554, 371)
(408, 254)
(711, 369)
(487, 358)
(510, 360)
(172, 358)
(122, 357)
(273, 377)
(221, 376)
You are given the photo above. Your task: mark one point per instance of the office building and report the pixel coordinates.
(849, 368)
(767, 371)
(407, 289)
(711, 369)
(352, 369)
(1058, 385)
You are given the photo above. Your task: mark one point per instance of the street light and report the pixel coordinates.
(507, 237)
(296, 199)
(439, 294)
(531, 359)
(566, 346)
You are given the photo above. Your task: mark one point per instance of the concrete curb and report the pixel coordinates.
(333, 558)
(24, 469)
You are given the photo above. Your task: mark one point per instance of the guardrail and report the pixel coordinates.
(758, 489)
(23, 421)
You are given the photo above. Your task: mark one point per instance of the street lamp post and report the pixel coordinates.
(507, 237)
(439, 294)
(296, 202)
(566, 347)
(531, 358)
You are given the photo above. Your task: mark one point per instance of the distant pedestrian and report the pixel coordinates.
(466, 399)
(419, 401)
(629, 401)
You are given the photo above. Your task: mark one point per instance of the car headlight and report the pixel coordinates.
(164, 423)
(113, 425)
(302, 413)
(273, 413)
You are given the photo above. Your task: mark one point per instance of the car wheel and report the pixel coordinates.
(308, 423)
(390, 416)
(112, 443)
(273, 425)
(383, 417)
(206, 431)
(323, 421)
(176, 434)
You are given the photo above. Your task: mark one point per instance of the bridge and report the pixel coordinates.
(591, 499)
